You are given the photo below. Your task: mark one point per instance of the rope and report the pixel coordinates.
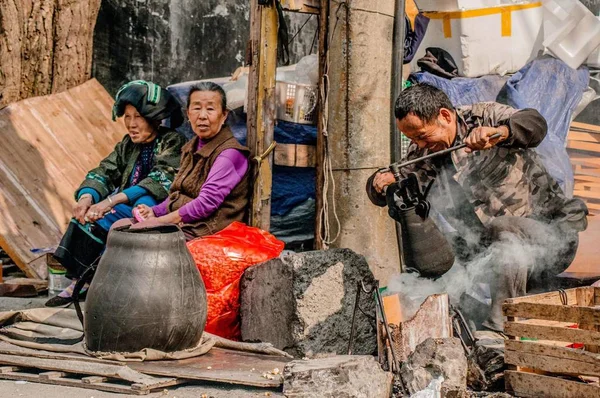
(328, 180)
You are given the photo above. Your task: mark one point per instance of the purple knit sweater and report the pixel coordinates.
(227, 171)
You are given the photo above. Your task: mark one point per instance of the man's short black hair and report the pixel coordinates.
(423, 100)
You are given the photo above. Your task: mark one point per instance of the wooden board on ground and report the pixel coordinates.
(116, 371)
(48, 145)
(228, 366)
(88, 382)
(220, 365)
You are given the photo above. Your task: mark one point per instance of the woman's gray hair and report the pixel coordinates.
(209, 86)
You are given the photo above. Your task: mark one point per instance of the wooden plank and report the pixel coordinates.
(219, 365)
(585, 137)
(586, 194)
(545, 298)
(587, 126)
(82, 367)
(11, 349)
(538, 348)
(261, 106)
(585, 296)
(51, 375)
(295, 155)
(39, 284)
(49, 144)
(93, 379)
(8, 369)
(583, 146)
(543, 332)
(305, 155)
(584, 178)
(550, 364)
(109, 387)
(233, 367)
(530, 385)
(553, 312)
(285, 155)
(554, 361)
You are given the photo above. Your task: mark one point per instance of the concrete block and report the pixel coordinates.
(433, 358)
(342, 376)
(303, 303)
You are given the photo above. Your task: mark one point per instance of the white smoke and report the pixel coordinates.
(508, 254)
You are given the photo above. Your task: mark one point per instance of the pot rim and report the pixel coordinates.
(155, 230)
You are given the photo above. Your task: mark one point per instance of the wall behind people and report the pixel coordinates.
(170, 41)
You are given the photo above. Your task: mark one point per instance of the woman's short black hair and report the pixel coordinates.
(423, 100)
(209, 86)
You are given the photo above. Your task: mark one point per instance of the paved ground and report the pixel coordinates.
(14, 389)
(35, 390)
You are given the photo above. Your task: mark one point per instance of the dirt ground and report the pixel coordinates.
(9, 388)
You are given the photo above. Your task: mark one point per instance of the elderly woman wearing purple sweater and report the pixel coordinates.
(210, 191)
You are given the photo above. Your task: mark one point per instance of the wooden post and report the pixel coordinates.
(261, 106)
(320, 156)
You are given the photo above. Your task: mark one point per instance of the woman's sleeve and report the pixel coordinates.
(105, 178)
(167, 158)
(161, 208)
(90, 191)
(227, 171)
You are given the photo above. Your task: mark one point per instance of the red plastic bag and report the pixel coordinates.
(221, 259)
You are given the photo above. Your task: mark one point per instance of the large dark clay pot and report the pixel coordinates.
(146, 293)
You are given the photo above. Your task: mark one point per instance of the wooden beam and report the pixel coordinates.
(261, 106)
(321, 126)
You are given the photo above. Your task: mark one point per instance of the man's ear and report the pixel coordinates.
(446, 115)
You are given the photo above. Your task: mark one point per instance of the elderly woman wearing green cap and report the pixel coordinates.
(139, 171)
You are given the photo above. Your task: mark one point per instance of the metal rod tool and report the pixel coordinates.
(395, 167)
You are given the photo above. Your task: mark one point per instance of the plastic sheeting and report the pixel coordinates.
(546, 84)
(554, 89)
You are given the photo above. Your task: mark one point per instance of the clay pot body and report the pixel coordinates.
(424, 247)
(146, 293)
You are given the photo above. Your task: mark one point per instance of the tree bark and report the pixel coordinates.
(45, 46)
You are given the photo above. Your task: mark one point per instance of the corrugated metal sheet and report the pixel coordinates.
(47, 144)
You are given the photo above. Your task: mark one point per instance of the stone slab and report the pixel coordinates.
(341, 376)
(303, 303)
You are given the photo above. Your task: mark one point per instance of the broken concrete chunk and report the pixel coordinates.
(433, 358)
(341, 376)
(303, 303)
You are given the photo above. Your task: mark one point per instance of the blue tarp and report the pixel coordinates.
(291, 185)
(546, 84)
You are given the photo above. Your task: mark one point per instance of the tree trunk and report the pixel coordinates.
(45, 46)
